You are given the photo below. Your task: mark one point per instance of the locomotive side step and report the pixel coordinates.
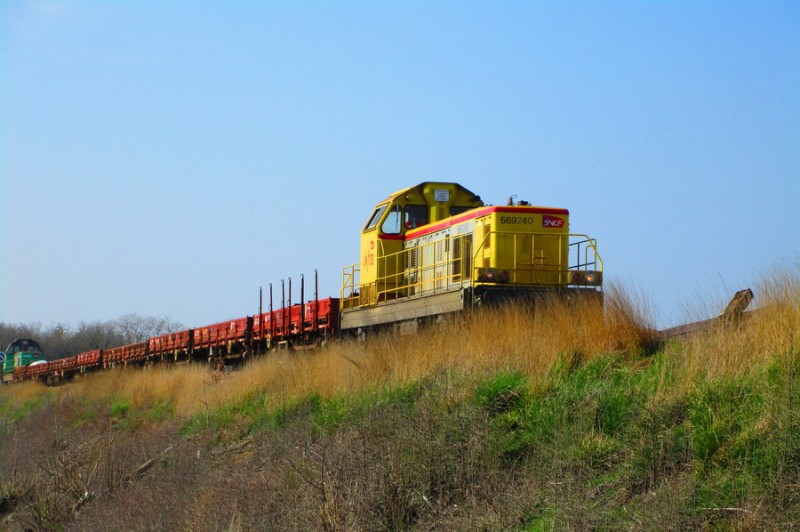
(406, 309)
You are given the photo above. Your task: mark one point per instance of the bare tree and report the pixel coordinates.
(134, 328)
(61, 340)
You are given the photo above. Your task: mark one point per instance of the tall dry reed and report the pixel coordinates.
(772, 329)
(511, 338)
(16, 395)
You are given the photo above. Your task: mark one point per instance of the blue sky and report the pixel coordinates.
(168, 158)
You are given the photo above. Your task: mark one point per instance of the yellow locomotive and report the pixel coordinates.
(437, 248)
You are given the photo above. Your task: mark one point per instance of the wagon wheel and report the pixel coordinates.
(217, 362)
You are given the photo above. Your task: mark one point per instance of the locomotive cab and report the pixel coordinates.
(382, 265)
(20, 353)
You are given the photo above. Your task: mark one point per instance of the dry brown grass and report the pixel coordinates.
(734, 349)
(21, 393)
(143, 388)
(512, 338)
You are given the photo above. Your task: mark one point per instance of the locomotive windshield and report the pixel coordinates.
(391, 225)
(398, 218)
(23, 345)
(376, 216)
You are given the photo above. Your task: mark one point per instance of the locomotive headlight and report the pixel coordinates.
(593, 278)
(586, 278)
(487, 275)
(491, 275)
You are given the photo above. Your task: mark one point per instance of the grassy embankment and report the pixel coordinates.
(566, 418)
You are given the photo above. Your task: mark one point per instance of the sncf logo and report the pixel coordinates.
(552, 221)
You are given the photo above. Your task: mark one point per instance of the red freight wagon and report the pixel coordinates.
(88, 359)
(272, 325)
(171, 343)
(322, 315)
(33, 372)
(262, 326)
(312, 317)
(287, 321)
(112, 356)
(279, 319)
(61, 365)
(134, 352)
(220, 334)
(295, 319)
(275, 325)
(20, 372)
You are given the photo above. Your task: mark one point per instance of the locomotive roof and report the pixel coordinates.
(23, 344)
(423, 184)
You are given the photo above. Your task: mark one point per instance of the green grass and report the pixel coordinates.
(603, 438)
(737, 435)
(131, 417)
(12, 412)
(259, 412)
(607, 420)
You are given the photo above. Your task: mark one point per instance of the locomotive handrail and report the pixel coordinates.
(404, 281)
(589, 261)
(410, 275)
(591, 245)
(409, 278)
(486, 242)
(349, 274)
(436, 282)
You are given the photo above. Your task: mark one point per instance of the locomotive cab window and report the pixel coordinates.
(391, 225)
(416, 215)
(375, 218)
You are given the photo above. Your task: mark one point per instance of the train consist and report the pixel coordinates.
(426, 251)
(300, 324)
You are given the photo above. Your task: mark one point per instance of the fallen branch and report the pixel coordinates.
(142, 469)
(236, 447)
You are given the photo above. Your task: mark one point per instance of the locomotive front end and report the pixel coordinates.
(522, 248)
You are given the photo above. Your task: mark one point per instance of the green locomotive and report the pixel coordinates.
(21, 352)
